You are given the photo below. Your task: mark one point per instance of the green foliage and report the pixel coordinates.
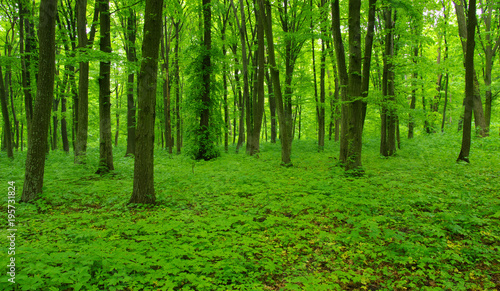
(415, 221)
(200, 140)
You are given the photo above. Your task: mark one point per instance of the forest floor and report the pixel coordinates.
(417, 220)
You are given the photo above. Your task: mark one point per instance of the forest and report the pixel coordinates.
(250, 144)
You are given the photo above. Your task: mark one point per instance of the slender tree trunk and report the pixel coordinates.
(411, 123)
(144, 191)
(445, 102)
(5, 113)
(469, 84)
(105, 139)
(463, 31)
(35, 160)
(272, 107)
(388, 126)
(285, 123)
(130, 37)
(368, 55)
(118, 104)
(177, 84)
(26, 47)
(165, 49)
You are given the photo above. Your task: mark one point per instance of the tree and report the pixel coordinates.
(469, 83)
(81, 105)
(6, 121)
(130, 31)
(35, 159)
(490, 49)
(388, 114)
(285, 121)
(477, 104)
(351, 92)
(105, 138)
(144, 158)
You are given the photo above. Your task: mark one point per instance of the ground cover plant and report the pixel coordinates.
(416, 221)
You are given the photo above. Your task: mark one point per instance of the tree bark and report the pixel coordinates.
(388, 115)
(144, 157)
(130, 50)
(37, 147)
(105, 137)
(463, 31)
(5, 113)
(285, 123)
(469, 84)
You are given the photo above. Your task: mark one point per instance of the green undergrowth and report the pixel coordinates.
(416, 221)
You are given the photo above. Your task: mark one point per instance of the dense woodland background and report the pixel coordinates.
(275, 145)
(239, 73)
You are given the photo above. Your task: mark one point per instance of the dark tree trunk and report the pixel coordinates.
(477, 108)
(144, 191)
(5, 113)
(388, 115)
(81, 104)
(177, 84)
(37, 147)
(469, 84)
(343, 78)
(26, 48)
(257, 102)
(105, 138)
(272, 107)
(411, 123)
(165, 52)
(130, 36)
(205, 139)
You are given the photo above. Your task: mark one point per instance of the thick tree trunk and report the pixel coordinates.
(469, 84)
(105, 138)
(205, 136)
(144, 191)
(37, 147)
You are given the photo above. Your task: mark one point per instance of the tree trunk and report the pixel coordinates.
(5, 113)
(177, 84)
(105, 139)
(35, 160)
(388, 126)
(144, 191)
(469, 84)
(411, 123)
(285, 124)
(272, 107)
(130, 37)
(26, 47)
(165, 51)
(463, 31)
(205, 138)
(368, 55)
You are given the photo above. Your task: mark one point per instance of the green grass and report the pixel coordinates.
(417, 220)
